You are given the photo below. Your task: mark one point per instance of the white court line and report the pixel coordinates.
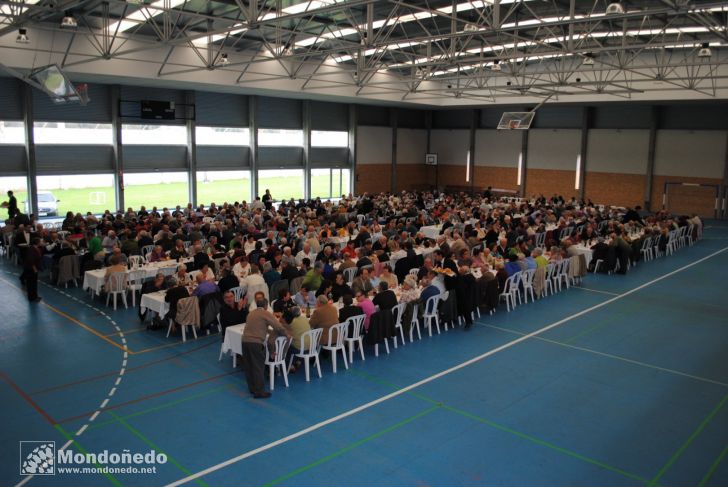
(431, 378)
(595, 290)
(615, 357)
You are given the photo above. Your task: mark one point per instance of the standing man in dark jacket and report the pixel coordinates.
(31, 264)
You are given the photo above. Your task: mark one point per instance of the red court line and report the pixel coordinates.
(27, 398)
(116, 372)
(148, 396)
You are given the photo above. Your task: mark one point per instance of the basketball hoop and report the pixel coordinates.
(514, 124)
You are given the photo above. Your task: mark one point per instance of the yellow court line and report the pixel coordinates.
(86, 327)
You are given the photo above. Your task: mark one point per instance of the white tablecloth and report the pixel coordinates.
(233, 341)
(338, 240)
(155, 302)
(586, 251)
(94, 280)
(431, 231)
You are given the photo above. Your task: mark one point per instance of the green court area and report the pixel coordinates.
(99, 199)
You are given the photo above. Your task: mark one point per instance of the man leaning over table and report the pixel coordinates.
(256, 330)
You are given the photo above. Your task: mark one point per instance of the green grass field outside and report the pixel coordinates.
(99, 199)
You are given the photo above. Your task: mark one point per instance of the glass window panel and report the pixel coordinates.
(12, 133)
(58, 195)
(134, 134)
(222, 186)
(160, 189)
(327, 138)
(283, 183)
(228, 136)
(72, 133)
(19, 186)
(280, 138)
(320, 183)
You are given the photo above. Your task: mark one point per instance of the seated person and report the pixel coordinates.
(366, 306)
(115, 267)
(324, 316)
(181, 277)
(283, 304)
(385, 298)
(349, 309)
(387, 276)
(305, 298)
(228, 280)
(157, 254)
(179, 251)
(204, 286)
(206, 272)
(232, 313)
(362, 283)
(340, 288)
(298, 325)
(159, 283)
(409, 290)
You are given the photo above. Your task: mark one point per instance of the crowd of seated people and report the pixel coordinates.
(377, 237)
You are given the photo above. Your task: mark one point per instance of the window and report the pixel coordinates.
(12, 133)
(160, 189)
(19, 186)
(58, 195)
(153, 134)
(236, 136)
(329, 183)
(280, 138)
(283, 183)
(321, 138)
(72, 133)
(222, 186)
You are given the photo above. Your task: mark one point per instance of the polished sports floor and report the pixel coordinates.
(620, 381)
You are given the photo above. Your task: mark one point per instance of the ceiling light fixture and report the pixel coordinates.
(705, 50)
(22, 37)
(615, 8)
(69, 22)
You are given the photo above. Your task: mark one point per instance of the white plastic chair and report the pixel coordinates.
(314, 337)
(338, 345)
(415, 324)
(136, 280)
(527, 283)
(278, 359)
(431, 313)
(146, 250)
(349, 274)
(398, 312)
(414, 272)
(355, 337)
(646, 250)
(117, 286)
(508, 293)
(135, 261)
(239, 292)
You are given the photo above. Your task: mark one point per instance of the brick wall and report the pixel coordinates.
(549, 182)
(414, 176)
(373, 178)
(685, 199)
(497, 177)
(615, 189)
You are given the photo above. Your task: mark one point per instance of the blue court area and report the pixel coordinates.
(620, 381)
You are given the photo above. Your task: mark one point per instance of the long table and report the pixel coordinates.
(94, 280)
